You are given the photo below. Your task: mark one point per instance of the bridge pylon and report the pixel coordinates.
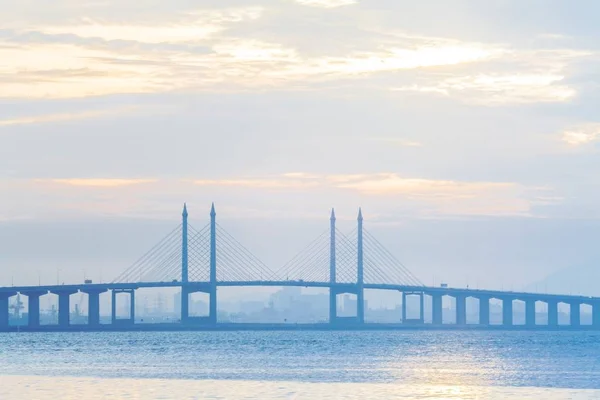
(212, 316)
(351, 286)
(360, 281)
(188, 287)
(332, 262)
(185, 295)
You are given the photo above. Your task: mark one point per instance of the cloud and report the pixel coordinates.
(446, 197)
(582, 134)
(63, 117)
(194, 26)
(96, 57)
(98, 182)
(396, 141)
(500, 89)
(327, 3)
(514, 77)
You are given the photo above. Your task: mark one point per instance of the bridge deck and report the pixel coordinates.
(477, 293)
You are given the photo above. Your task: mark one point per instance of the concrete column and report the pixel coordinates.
(596, 315)
(461, 309)
(213, 267)
(132, 306)
(422, 308)
(404, 307)
(33, 308)
(113, 306)
(507, 311)
(64, 309)
(530, 312)
(484, 310)
(332, 305)
(436, 309)
(185, 304)
(4, 313)
(552, 312)
(575, 311)
(94, 308)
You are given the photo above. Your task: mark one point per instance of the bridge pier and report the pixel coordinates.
(530, 313)
(507, 311)
(404, 307)
(332, 306)
(552, 313)
(575, 313)
(212, 317)
(185, 304)
(33, 307)
(484, 310)
(4, 310)
(64, 307)
(94, 305)
(436, 309)
(131, 319)
(461, 309)
(596, 314)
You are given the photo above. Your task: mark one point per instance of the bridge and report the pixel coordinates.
(202, 260)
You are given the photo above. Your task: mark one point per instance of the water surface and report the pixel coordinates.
(264, 365)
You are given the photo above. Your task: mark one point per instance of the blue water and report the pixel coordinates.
(324, 364)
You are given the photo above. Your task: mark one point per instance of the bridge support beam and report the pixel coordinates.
(461, 309)
(507, 311)
(575, 311)
(131, 318)
(436, 309)
(484, 310)
(552, 313)
(33, 307)
(4, 311)
(596, 314)
(530, 313)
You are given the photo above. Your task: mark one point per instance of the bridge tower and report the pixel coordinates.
(360, 291)
(213, 266)
(332, 262)
(185, 295)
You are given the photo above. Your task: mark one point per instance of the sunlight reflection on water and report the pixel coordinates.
(71, 388)
(299, 365)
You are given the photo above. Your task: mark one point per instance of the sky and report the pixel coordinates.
(467, 131)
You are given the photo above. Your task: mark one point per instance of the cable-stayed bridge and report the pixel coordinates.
(206, 258)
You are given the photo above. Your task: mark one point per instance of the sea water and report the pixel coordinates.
(300, 365)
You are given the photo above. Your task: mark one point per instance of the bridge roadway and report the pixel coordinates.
(436, 293)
